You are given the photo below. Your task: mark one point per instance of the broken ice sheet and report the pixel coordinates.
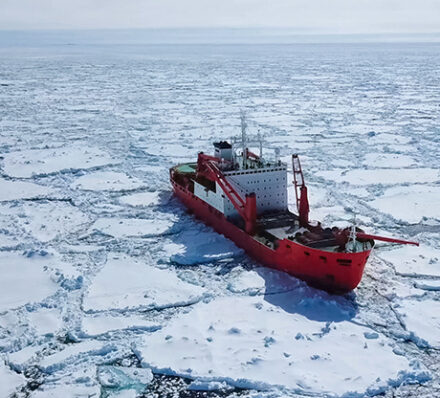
(49, 220)
(251, 343)
(78, 352)
(141, 199)
(125, 282)
(413, 260)
(104, 323)
(410, 203)
(47, 161)
(15, 190)
(123, 378)
(199, 244)
(382, 176)
(132, 227)
(9, 380)
(421, 318)
(24, 279)
(107, 181)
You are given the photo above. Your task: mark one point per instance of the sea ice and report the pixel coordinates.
(49, 220)
(47, 161)
(107, 181)
(199, 245)
(410, 203)
(422, 319)
(124, 378)
(9, 381)
(126, 282)
(382, 176)
(132, 227)
(388, 160)
(102, 324)
(413, 260)
(15, 190)
(66, 390)
(141, 199)
(24, 279)
(249, 342)
(73, 352)
(46, 321)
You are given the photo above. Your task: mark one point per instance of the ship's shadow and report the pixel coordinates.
(296, 297)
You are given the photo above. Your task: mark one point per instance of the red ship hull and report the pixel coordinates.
(332, 271)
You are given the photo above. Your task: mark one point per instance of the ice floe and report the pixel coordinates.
(14, 190)
(388, 160)
(413, 260)
(102, 324)
(123, 378)
(46, 321)
(49, 220)
(132, 227)
(75, 352)
(421, 319)
(125, 282)
(107, 181)
(24, 279)
(410, 203)
(141, 199)
(251, 343)
(199, 245)
(9, 381)
(32, 162)
(382, 176)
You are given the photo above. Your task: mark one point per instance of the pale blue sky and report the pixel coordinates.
(314, 16)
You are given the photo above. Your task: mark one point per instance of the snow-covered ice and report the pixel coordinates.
(131, 227)
(99, 261)
(49, 220)
(142, 199)
(125, 282)
(107, 181)
(14, 190)
(199, 245)
(32, 162)
(382, 176)
(24, 279)
(410, 203)
(412, 260)
(9, 381)
(422, 320)
(102, 324)
(251, 343)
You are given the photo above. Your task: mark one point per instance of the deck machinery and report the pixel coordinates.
(244, 197)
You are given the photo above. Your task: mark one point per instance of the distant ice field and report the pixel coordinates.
(108, 287)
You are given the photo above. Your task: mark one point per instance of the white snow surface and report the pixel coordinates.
(131, 227)
(250, 342)
(14, 190)
(422, 320)
(125, 282)
(9, 381)
(413, 260)
(32, 162)
(102, 324)
(24, 279)
(98, 260)
(107, 181)
(382, 176)
(410, 203)
(142, 199)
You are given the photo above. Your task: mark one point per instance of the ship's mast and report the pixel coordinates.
(243, 137)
